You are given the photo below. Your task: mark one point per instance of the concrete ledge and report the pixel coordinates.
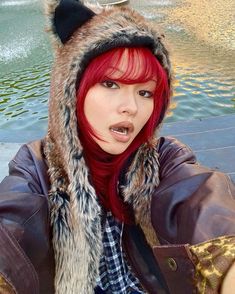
(212, 139)
(7, 152)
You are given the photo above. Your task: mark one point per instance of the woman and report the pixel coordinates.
(102, 204)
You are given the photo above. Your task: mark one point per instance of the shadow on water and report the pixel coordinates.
(200, 35)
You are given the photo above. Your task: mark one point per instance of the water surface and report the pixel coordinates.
(200, 35)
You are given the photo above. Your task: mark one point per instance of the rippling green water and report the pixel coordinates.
(204, 65)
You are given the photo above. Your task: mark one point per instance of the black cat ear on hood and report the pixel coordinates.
(70, 15)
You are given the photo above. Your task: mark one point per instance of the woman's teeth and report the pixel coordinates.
(122, 131)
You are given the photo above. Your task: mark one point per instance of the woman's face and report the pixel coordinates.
(117, 112)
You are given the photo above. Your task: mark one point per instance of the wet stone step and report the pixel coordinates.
(200, 125)
(212, 139)
(7, 152)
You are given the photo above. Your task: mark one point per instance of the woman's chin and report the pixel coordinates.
(113, 149)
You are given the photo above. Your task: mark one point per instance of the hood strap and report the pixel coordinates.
(141, 181)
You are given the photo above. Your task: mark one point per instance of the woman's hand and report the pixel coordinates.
(228, 284)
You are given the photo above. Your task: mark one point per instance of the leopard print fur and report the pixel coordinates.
(212, 259)
(5, 287)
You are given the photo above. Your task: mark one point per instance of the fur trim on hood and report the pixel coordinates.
(80, 34)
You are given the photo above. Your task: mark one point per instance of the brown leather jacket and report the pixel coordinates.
(191, 204)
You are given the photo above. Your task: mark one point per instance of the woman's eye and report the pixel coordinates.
(110, 84)
(146, 94)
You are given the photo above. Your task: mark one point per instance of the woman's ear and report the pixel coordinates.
(68, 16)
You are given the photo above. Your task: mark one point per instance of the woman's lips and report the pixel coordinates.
(121, 132)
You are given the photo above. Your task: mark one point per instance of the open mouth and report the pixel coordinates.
(121, 131)
(122, 128)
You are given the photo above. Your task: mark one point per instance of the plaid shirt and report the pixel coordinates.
(115, 275)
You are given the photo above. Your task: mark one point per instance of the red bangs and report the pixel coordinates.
(142, 66)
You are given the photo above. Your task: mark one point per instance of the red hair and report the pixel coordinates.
(105, 168)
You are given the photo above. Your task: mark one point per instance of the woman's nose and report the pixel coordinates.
(128, 104)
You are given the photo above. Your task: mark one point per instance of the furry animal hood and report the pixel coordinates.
(79, 34)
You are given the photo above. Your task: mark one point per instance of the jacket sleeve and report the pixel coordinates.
(193, 209)
(192, 203)
(23, 225)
